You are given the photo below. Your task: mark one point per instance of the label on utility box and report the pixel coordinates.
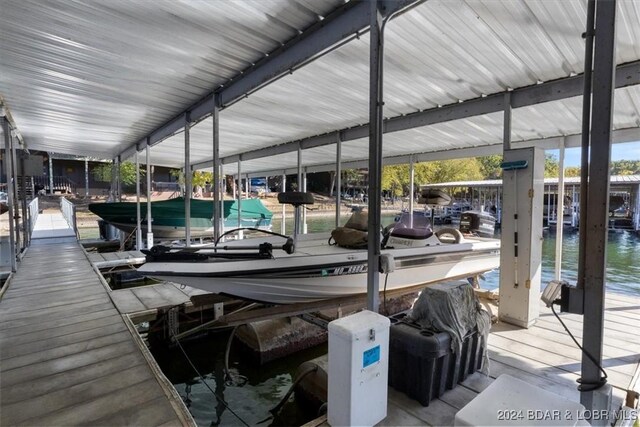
(371, 356)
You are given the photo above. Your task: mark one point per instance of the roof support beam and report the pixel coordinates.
(626, 75)
(342, 25)
(619, 136)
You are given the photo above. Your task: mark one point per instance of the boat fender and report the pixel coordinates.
(159, 250)
(387, 264)
(455, 234)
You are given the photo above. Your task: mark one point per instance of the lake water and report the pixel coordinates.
(267, 384)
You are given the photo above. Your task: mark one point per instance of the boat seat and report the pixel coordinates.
(412, 233)
(295, 198)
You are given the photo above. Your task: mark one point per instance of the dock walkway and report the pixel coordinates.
(542, 355)
(67, 356)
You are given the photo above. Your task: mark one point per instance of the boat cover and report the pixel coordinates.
(174, 208)
(452, 307)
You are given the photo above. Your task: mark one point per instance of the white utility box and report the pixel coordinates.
(509, 401)
(358, 369)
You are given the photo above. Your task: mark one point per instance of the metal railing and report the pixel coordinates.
(69, 213)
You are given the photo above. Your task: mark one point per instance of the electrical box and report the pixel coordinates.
(521, 236)
(358, 369)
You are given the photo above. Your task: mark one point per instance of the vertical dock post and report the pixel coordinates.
(188, 190)
(10, 202)
(338, 177)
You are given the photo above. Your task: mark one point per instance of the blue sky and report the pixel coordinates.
(626, 151)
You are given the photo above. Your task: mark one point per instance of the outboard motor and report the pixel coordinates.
(478, 223)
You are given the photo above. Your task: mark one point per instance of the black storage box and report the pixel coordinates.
(423, 366)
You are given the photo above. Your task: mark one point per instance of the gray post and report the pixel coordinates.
(138, 211)
(338, 179)
(118, 179)
(149, 217)
(560, 214)
(25, 216)
(215, 187)
(16, 198)
(375, 155)
(595, 231)
(10, 201)
(86, 178)
(235, 188)
(586, 130)
(50, 173)
(240, 234)
(304, 211)
(411, 189)
(187, 182)
(506, 125)
(284, 212)
(298, 212)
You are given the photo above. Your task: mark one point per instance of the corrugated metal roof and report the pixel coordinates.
(92, 78)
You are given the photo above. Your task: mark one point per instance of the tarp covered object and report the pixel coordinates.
(453, 307)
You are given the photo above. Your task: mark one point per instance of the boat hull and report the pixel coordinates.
(304, 279)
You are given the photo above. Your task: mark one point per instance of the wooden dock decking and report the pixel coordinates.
(68, 357)
(542, 355)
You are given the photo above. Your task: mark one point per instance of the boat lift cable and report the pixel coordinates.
(584, 385)
(218, 398)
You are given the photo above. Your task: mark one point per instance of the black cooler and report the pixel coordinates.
(423, 364)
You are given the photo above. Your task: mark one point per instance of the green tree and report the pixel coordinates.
(572, 171)
(551, 166)
(490, 166)
(625, 167)
(198, 178)
(395, 179)
(103, 172)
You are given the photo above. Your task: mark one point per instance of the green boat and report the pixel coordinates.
(168, 218)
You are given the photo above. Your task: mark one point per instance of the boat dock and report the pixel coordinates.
(143, 303)
(114, 260)
(67, 355)
(543, 356)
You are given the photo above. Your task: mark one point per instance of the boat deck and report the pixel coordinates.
(67, 356)
(542, 355)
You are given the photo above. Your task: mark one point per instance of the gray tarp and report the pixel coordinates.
(453, 307)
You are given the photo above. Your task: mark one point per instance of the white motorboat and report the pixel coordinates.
(317, 270)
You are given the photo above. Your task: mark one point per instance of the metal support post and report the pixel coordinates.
(283, 188)
(586, 129)
(338, 178)
(297, 212)
(50, 173)
(375, 154)
(10, 201)
(16, 196)
(23, 189)
(149, 217)
(411, 190)
(506, 124)
(240, 234)
(304, 210)
(86, 178)
(138, 211)
(215, 187)
(118, 179)
(188, 190)
(560, 214)
(595, 231)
